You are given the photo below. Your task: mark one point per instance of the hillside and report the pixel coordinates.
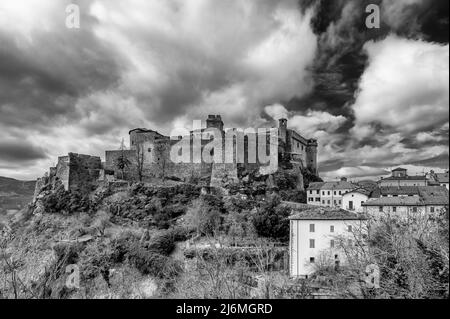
(15, 194)
(136, 241)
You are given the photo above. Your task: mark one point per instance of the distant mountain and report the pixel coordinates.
(15, 194)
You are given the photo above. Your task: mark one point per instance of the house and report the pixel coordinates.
(313, 193)
(328, 193)
(354, 199)
(428, 200)
(316, 234)
(400, 178)
(439, 179)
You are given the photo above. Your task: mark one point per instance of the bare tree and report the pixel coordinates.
(122, 161)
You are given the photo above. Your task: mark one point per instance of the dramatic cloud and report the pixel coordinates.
(405, 86)
(374, 98)
(145, 63)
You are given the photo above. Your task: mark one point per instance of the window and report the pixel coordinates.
(332, 243)
(432, 209)
(394, 209)
(329, 202)
(312, 228)
(350, 228)
(329, 193)
(331, 229)
(312, 243)
(317, 199)
(323, 202)
(335, 193)
(312, 260)
(318, 192)
(380, 208)
(149, 150)
(414, 209)
(340, 192)
(310, 192)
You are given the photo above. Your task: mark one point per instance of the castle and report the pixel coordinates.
(149, 157)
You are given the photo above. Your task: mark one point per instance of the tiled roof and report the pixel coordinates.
(394, 201)
(423, 200)
(402, 190)
(361, 191)
(332, 186)
(442, 177)
(315, 186)
(345, 185)
(404, 178)
(325, 213)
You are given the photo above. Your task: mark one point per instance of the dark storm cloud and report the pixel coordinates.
(153, 63)
(41, 78)
(20, 151)
(342, 33)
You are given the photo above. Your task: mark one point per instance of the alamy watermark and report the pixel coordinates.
(372, 19)
(73, 276)
(372, 276)
(73, 16)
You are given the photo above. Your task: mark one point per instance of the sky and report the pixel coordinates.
(374, 98)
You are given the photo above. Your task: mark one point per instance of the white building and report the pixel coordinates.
(429, 201)
(354, 199)
(441, 179)
(400, 178)
(328, 194)
(315, 237)
(313, 193)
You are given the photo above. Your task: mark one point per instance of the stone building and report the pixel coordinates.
(151, 156)
(73, 171)
(156, 151)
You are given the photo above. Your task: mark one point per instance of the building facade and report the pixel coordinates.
(156, 149)
(354, 200)
(317, 236)
(426, 200)
(440, 179)
(400, 178)
(329, 194)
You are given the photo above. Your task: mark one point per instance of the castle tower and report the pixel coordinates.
(214, 121)
(311, 156)
(282, 129)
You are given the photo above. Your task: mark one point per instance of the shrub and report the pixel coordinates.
(62, 201)
(272, 220)
(204, 215)
(152, 263)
